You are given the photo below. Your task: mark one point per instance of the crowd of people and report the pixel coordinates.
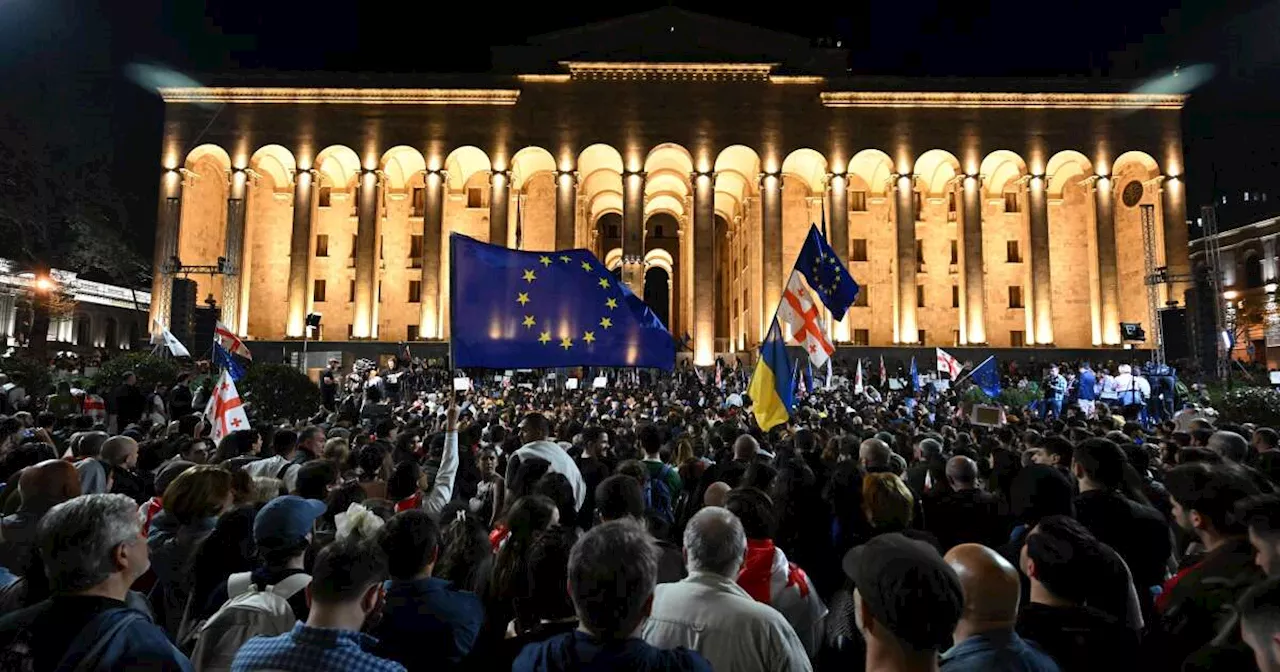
(645, 525)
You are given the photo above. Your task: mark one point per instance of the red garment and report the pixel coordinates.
(1162, 600)
(410, 503)
(756, 575)
(153, 506)
(498, 535)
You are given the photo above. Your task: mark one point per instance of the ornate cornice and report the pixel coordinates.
(293, 96)
(694, 72)
(953, 100)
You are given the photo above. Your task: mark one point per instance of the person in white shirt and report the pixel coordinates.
(280, 466)
(534, 430)
(709, 613)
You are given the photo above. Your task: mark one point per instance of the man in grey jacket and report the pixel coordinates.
(709, 613)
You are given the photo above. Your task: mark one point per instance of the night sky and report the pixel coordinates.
(64, 62)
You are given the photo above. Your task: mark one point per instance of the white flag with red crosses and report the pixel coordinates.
(225, 410)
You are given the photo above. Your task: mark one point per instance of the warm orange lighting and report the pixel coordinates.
(44, 284)
(956, 100)
(293, 96)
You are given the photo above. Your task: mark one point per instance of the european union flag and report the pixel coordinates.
(827, 277)
(532, 310)
(226, 362)
(987, 377)
(915, 376)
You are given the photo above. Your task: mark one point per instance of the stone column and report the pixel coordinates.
(1108, 272)
(566, 197)
(432, 240)
(300, 253)
(1041, 299)
(1173, 209)
(904, 205)
(633, 231)
(363, 315)
(499, 206)
(974, 278)
(1269, 269)
(704, 269)
(237, 198)
(838, 186)
(771, 243)
(168, 223)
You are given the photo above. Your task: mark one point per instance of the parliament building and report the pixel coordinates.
(691, 154)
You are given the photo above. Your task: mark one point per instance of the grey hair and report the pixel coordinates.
(962, 470)
(930, 448)
(612, 571)
(1229, 445)
(715, 542)
(78, 539)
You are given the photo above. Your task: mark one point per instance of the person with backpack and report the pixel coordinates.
(266, 601)
(93, 550)
(345, 591)
(663, 483)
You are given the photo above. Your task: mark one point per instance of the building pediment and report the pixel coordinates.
(669, 36)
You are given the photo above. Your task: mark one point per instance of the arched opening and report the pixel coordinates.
(84, 331)
(267, 236)
(662, 246)
(1006, 236)
(657, 293)
(1072, 252)
(1135, 179)
(110, 334)
(737, 170)
(202, 233)
(872, 241)
(330, 290)
(608, 233)
(1253, 274)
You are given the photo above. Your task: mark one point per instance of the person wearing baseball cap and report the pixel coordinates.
(282, 533)
(907, 602)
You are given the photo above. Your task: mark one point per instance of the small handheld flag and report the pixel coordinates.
(948, 364)
(226, 362)
(770, 389)
(225, 410)
(915, 376)
(828, 278)
(884, 375)
(222, 334)
(987, 377)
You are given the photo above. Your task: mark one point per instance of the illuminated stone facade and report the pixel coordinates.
(977, 212)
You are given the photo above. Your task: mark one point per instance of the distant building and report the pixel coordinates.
(100, 318)
(691, 154)
(1250, 279)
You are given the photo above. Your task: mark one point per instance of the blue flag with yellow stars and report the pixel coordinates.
(827, 277)
(534, 310)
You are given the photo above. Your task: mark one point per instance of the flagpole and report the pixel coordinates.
(453, 298)
(957, 381)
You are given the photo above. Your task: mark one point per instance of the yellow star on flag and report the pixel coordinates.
(606, 322)
(544, 337)
(545, 261)
(529, 321)
(522, 298)
(589, 336)
(564, 259)
(566, 342)
(586, 266)
(529, 275)
(611, 303)
(604, 284)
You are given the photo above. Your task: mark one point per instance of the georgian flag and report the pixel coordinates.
(799, 311)
(223, 334)
(949, 364)
(225, 410)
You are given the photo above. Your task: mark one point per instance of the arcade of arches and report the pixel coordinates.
(994, 253)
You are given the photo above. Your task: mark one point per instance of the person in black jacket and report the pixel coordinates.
(1112, 508)
(964, 513)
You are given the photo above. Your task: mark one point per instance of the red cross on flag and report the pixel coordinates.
(799, 311)
(230, 341)
(225, 410)
(949, 364)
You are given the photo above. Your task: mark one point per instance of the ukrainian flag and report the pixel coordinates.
(770, 390)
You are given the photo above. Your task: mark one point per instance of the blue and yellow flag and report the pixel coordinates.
(532, 310)
(772, 395)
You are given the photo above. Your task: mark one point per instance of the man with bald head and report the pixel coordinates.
(984, 637)
(966, 514)
(745, 451)
(717, 494)
(41, 487)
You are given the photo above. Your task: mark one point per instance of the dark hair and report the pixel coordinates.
(1268, 436)
(1259, 609)
(592, 433)
(345, 569)
(537, 423)
(1067, 557)
(1105, 463)
(1261, 513)
(284, 441)
(314, 479)
(1211, 491)
(650, 438)
(635, 469)
(411, 541)
(612, 572)
(403, 481)
(754, 508)
(464, 548)
(528, 517)
(235, 444)
(618, 496)
(759, 475)
(557, 487)
(547, 567)
(369, 460)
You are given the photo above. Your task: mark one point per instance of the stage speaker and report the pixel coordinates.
(203, 323)
(1177, 337)
(182, 306)
(1202, 319)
